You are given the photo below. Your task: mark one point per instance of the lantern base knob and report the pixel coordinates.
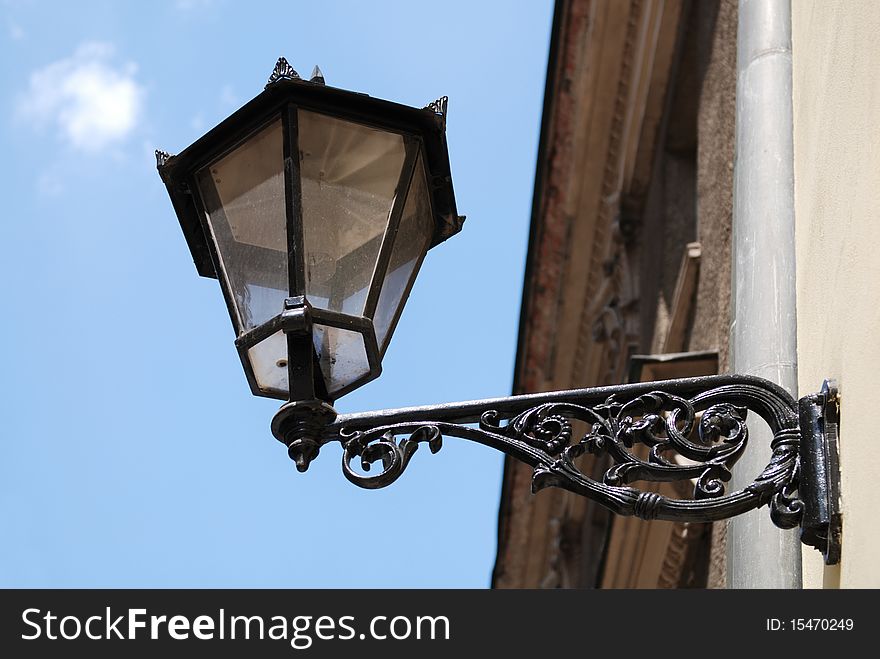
(302, 452)
(300, 426)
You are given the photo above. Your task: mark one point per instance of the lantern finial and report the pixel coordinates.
(317, 76)
(282, 71)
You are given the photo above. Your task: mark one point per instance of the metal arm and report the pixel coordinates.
(694, 430)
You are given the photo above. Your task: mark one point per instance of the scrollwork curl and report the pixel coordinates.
(383, 445)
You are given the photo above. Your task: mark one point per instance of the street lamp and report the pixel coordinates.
(314, 208)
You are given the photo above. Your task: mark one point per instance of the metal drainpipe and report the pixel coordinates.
(763, 332)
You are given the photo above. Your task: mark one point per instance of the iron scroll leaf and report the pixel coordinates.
(694, 430)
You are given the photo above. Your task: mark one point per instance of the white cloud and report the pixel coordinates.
(92, 98)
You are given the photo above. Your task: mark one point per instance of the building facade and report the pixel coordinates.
(630, 276)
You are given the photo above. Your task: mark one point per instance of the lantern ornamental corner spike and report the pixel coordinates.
(314, 207)
(282, 71)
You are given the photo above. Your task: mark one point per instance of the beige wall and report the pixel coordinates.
(836, 50)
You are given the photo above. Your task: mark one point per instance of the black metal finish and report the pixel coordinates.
(284, 95)
(282, 71)
(286, 87)
(400, 195)
(299, 425)
(293, 202)
(317, 77)
(694, 429)
(439, 107)
(819, 484)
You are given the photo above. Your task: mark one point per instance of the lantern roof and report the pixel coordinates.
(286, 87)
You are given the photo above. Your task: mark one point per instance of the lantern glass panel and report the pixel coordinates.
(243, 196)
(410, 244)
(268, 360)
(342, 355)
(349, 175)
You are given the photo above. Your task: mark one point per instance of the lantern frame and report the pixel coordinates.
(424, 138)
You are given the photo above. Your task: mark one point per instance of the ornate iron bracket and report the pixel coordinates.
(693, 429)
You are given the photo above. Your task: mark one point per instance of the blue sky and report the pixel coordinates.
(132, 451)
